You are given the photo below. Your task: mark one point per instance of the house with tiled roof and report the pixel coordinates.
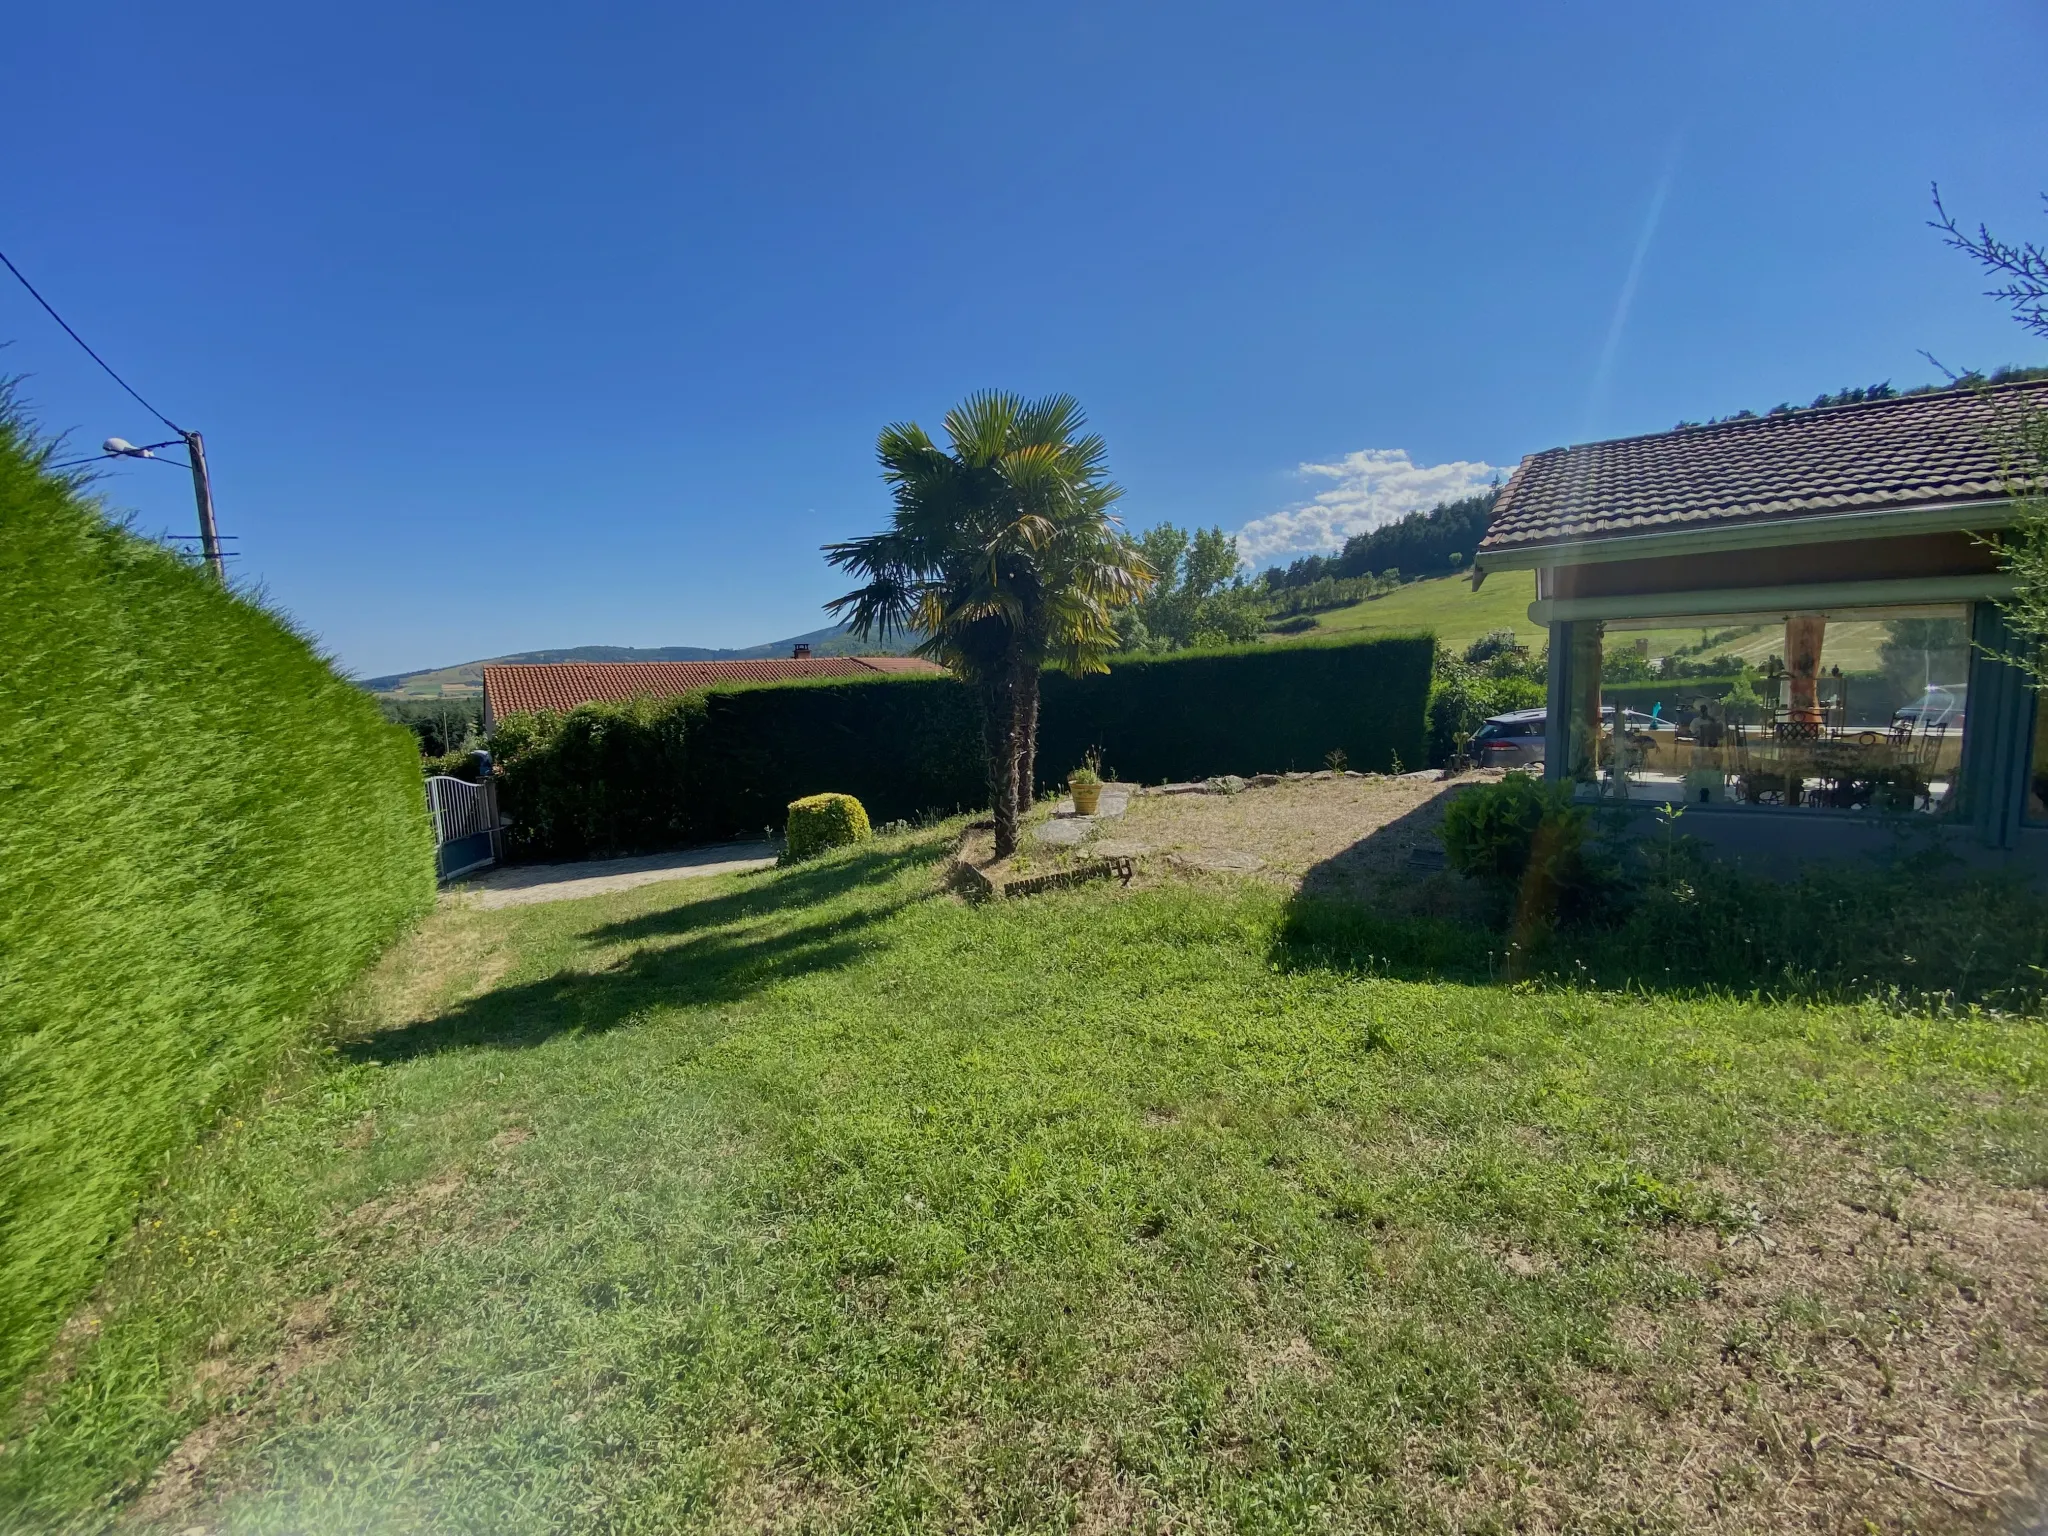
(1813, 600)
(528, 688)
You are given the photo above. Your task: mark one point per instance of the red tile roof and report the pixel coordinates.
(1916, 451)
(520, 688)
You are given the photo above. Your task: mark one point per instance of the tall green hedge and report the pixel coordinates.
(601, 779)
(725, 763)
(203, 828)
(902, 746)
(1245, 709)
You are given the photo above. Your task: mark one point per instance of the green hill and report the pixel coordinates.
(1447, 605)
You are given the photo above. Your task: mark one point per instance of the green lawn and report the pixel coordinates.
(1450, 607)
(818, 1200)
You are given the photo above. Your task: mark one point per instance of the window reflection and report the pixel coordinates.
(1857, 711)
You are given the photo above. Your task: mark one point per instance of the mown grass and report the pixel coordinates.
(817, 1200)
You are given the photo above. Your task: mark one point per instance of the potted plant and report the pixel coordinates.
(1085, 785)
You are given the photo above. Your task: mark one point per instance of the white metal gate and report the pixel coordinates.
(465, 824)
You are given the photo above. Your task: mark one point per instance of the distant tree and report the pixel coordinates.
(1421, 544)
(1917, 653)
(1002, 552)
(1197, 596)
(1625, 664)
(442, 726)
(1495, 642)
(2020, 275)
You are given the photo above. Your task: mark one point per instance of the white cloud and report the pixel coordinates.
(1374, 487)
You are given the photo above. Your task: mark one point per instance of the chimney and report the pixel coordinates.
(801, 652)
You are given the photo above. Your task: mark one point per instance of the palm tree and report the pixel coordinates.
(1002, 552)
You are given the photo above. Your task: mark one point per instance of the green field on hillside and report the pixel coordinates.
(1449, 606)
(1458, 616)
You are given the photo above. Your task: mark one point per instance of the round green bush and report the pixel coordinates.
(819, 822)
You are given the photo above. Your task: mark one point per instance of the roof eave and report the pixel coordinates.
(1760, 533)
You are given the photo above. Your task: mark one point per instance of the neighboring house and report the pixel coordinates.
(1841, 551)
(523, 688)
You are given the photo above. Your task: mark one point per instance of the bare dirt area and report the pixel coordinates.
(1364, 835)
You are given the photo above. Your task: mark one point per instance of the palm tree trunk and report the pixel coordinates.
(1027, 737)
(999, 741)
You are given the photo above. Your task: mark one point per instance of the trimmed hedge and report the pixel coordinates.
(726, 763)
(904, 747)
(203, 830)
(821, 822)
(1244, 710)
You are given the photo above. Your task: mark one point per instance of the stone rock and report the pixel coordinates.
(1064, 831)
(1265, 780)
(1114, 802)
(1224, 784)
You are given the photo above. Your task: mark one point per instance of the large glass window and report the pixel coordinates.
(1838, 711)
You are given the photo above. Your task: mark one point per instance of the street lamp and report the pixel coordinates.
(202, 488)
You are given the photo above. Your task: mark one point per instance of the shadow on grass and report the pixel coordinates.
(1387, 906)
(717, 950)
(1913, 927)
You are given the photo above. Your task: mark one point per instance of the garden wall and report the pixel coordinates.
(203, 829)
(725, 763)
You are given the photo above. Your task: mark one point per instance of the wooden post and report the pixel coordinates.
(1584, 760)
(202, 492)
(489, 786)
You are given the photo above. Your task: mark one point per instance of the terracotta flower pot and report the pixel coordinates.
(1087, 796)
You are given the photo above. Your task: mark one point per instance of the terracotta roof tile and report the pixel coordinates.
(1916, 451)
(519, 688)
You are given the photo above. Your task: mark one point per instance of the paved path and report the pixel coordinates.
(524, 884)
(1065, 828)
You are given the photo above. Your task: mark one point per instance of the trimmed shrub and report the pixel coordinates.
(819, 822)
(204, 829)
(1243, 710)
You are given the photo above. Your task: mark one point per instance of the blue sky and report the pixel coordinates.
(524, 326)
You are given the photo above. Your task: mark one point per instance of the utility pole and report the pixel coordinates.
(202, 492)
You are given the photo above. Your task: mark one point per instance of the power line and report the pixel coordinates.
(94, 458)
(31, 287)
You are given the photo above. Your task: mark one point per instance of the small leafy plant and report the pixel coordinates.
(1499, 831)
(1090, 771)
